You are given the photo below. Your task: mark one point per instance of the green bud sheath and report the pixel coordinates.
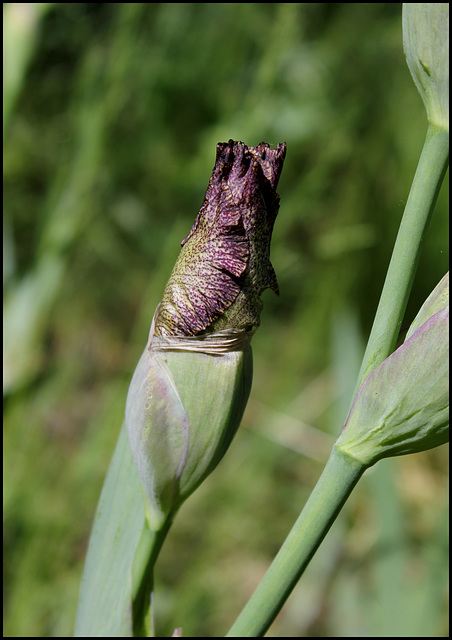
(192, 383)
(182, 411)
(426, 45)
(403, 405)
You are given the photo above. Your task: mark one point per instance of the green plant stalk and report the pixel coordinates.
(145, 558)
(322, 508)
(341, 472)
(424, 191)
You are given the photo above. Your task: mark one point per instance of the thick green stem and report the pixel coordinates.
(143, 578)
(340, 475)
(405, 257)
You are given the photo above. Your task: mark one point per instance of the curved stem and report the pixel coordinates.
(337, 481)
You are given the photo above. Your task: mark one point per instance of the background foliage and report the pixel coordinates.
(111, 116)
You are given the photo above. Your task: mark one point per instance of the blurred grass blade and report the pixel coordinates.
(105, 603)
(25, 319)
(21, 22)
(28, 301)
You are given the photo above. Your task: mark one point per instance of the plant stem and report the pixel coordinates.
(143, 578)
(407, 249)
(341, 472)
(337, 481)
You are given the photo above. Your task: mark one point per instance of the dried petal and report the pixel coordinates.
(224, 264)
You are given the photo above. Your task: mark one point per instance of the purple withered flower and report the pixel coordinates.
(224, 264)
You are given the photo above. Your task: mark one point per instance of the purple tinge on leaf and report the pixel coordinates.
(403, 405)
(224, 264)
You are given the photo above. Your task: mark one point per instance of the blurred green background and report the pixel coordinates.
(111, 116)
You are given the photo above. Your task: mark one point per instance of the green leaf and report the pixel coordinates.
(105, 603)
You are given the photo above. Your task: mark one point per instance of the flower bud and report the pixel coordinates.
(426, 45)
(190, 388)
(403, 405)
